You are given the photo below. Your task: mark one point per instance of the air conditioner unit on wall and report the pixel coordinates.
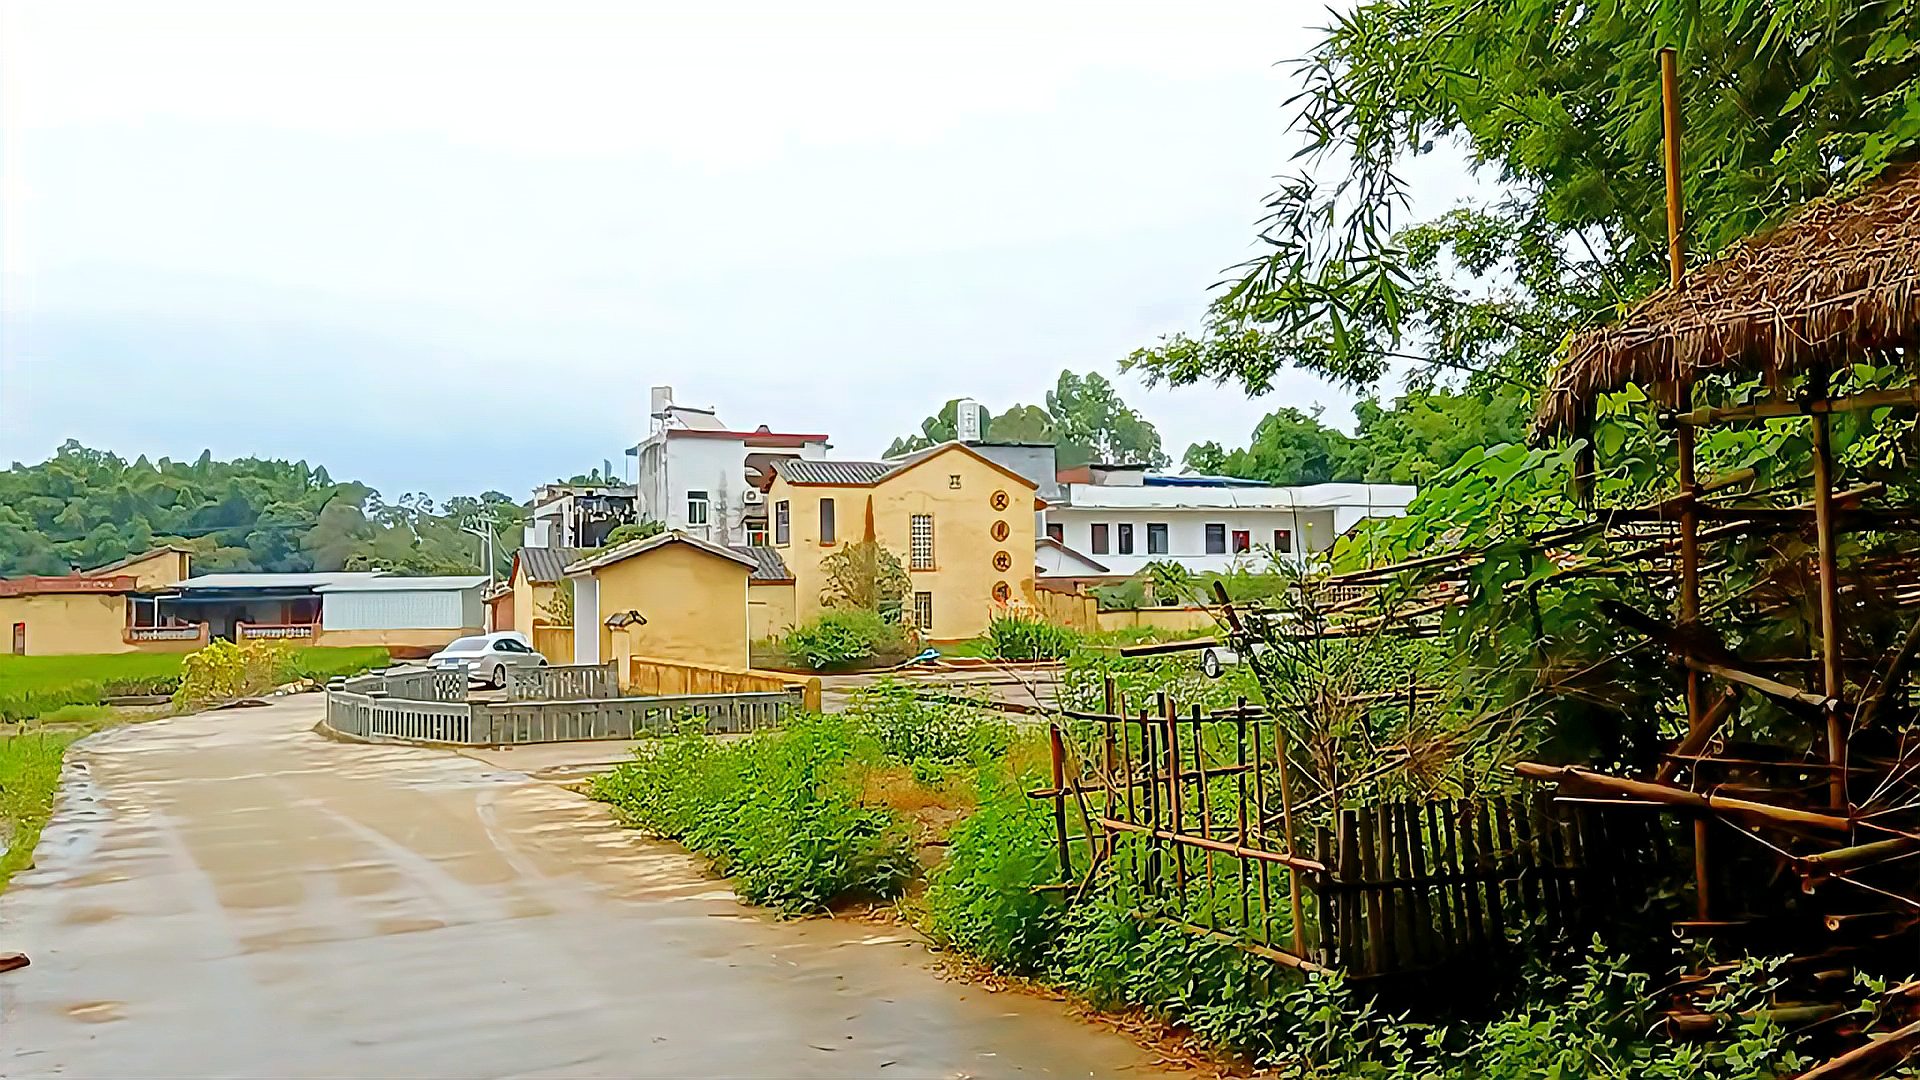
(754, 496)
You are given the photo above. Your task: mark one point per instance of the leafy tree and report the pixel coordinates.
(864, 576)
(1084, 417)
(83, 508)
(1093, 424)
(1022, 424)
(1782, 101)
(1288, 447)
(638, 530)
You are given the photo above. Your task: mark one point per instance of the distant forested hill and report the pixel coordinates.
(84, 508)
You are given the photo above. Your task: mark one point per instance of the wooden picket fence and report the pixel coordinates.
(1199, 811)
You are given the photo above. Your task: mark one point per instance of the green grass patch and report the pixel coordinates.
(33, 686)
(29, 774)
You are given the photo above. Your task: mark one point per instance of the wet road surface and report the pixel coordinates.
(231, 895)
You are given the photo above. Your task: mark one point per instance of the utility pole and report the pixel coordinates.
(486, 539)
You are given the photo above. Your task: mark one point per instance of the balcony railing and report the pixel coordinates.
(275, 631)
(141, 635)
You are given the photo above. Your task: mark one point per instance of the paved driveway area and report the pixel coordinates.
(231, 895)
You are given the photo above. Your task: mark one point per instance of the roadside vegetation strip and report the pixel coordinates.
(32, 686)
(30, 763)
(900, 791)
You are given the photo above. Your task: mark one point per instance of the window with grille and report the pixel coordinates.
(782, 523)
(826, 521)
(923, 611)
(920, 546)
(1156, 538)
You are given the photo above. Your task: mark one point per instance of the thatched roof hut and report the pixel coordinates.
(1838, 279)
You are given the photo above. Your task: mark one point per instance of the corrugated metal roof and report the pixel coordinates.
(397, 583)
(767, 563)
(548, 564)
(276, 581)
(798, 471)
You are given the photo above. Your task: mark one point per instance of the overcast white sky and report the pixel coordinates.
(448, 247)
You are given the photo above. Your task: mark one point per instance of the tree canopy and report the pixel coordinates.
(1561, 102)
(1084, 418)
(1419, 436)
(84, 508)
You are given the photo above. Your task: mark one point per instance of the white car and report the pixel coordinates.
(488, 656)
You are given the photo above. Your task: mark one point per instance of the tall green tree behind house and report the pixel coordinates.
(1419, 436)
(84, 508)
(1084, 418)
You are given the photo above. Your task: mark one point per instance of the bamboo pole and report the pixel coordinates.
(1057, 750)
(1671, 796)
(1286, 819)
(1832, 677)
(1681, 399)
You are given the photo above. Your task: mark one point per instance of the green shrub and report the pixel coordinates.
(981, 899)
(915, 731)
(222, 670)
(779, 813)
(31, 686)
(1128, 595)
(841, 636)
(1021, 636)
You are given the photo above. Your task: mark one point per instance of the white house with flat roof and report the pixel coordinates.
(1122, 519)
(697, 475)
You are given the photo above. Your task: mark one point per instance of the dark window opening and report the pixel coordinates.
(1126, 539)
(1216, 539)
(1156, 538)
(1099, 539)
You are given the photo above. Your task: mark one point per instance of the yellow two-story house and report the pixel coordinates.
(961, 524)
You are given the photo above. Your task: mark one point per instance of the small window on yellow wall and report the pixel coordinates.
(826, 521)
(953, 480)
(923, 611)
(782, 523)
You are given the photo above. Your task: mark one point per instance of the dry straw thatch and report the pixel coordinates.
(1837, 280)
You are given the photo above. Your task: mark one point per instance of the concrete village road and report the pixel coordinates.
(229, 894)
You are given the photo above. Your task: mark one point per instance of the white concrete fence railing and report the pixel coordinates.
(401, 706)
(564, 682)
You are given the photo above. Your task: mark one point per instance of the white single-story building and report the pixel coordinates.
(1129, 518)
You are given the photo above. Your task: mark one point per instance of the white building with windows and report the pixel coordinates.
(703, 478)
(1121, 519)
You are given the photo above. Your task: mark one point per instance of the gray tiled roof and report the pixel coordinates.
(767, 563)
(547, 564)
(799, 471)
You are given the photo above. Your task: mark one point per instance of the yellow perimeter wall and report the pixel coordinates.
(770, 609)
(963, 576)
(695, 604)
